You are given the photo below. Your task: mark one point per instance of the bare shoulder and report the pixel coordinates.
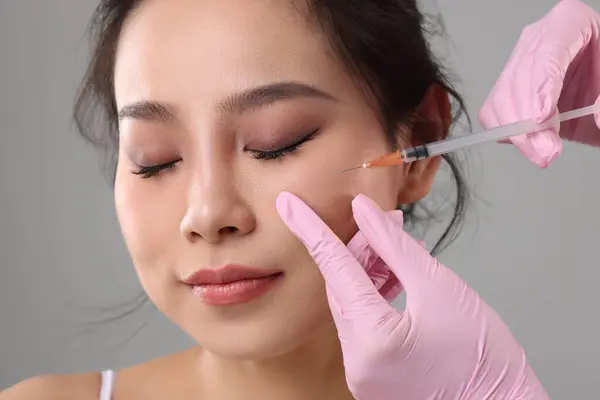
(162, 379)
(50, 387)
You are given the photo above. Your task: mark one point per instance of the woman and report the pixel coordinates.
(224, 109)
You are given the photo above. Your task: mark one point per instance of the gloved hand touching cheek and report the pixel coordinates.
(447, 343)
(555, 65)
(380, 274)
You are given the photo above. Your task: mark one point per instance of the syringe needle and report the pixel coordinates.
(352, 169)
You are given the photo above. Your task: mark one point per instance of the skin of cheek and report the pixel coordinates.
(149, 215)
(351, 141)
(330, 195)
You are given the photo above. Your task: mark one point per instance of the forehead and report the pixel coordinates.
(189, 48)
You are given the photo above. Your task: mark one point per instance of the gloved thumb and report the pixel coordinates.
(541, 148)
(544, 146)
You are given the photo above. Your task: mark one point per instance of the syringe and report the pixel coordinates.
(411, 154)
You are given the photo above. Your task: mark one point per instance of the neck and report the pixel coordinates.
(314, 370)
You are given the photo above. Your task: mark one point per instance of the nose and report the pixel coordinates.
(216, 211)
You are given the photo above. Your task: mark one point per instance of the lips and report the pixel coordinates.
(228, 274)
(232, 284)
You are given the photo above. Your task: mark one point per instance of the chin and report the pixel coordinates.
(261, 339)
(263, 330)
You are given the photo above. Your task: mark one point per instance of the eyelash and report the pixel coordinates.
(290, 148)
(153, 170)
(146, 172)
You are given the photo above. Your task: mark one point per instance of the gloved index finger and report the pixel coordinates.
(345, 278)
(408, 259)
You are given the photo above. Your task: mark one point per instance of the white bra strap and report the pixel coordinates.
(108, 381)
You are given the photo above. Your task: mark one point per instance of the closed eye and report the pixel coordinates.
(278, 153)
(149, 171)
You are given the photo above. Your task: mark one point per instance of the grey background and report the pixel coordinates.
(529, 247)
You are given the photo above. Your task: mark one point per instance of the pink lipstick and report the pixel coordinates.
(232, 284)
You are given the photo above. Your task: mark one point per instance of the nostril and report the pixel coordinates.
(193, 236)
(228, 229)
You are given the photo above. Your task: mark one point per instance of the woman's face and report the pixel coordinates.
(214, 88)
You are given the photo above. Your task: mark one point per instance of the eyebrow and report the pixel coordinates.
(152, 111)
(263, 96)
(239, 103)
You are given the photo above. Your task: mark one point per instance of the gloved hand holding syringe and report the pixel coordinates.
(438, 148)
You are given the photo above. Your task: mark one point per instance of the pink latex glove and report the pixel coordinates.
(447, 344)
(380, 274)
(556, 63)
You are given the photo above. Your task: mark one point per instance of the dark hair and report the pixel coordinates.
(383, 44)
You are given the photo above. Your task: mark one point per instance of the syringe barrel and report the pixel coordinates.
(492, 135)
(495, 134)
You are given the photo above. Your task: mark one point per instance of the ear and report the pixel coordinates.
(434, 117)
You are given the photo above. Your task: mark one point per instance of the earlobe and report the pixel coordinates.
(418, 181)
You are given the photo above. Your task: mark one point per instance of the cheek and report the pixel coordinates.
(330, 194)
(149, 218)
